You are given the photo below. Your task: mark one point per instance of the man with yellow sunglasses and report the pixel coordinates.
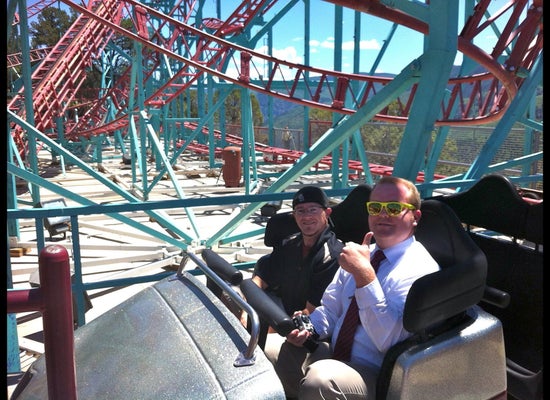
(379, 291)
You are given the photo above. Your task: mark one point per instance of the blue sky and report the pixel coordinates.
(289, 45)
(405, 46)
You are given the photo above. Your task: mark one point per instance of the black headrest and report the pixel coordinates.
(350, 220)
(494, 203)
(461, 281)
(278, 227)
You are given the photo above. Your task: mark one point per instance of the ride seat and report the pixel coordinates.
(510, 232)
(456, 349)
(448, 327)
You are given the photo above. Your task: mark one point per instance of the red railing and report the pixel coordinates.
(54, 300)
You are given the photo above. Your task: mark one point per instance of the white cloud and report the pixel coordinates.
(363, 45)
(349, 45)
(289, 54)
(328, 43)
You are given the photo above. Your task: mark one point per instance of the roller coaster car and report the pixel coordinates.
(509, 231)
(176, 339)
(457, 348)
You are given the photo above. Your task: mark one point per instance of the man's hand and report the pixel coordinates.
(355, 258)
(297, 337)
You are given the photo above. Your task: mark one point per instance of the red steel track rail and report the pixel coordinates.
(481, 98)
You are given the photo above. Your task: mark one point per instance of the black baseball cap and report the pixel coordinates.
(310, 194)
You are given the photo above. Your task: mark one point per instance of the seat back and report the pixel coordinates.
(510, 232)
(349, 218)
(437, 305)
(488, 203)
(461, 281)
(278, 227)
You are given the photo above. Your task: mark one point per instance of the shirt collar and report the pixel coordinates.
(394, 252)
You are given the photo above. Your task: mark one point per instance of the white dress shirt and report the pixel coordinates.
(381, 302)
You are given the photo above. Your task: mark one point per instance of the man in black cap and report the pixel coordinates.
(296, 273)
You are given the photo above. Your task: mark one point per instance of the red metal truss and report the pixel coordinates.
(35, 55)
(476, 99)
(57, 79)
(209, 53)
(277, 155)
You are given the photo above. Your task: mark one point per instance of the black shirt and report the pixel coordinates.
(296, 279)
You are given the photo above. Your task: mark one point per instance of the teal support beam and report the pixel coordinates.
(338, 156)
(528, 138)
(86, 202)
(518, 106)
(27, 88)
(330, 140)
(98, 148)
(157, 146)
(307, 61)
(166, 223)
(436, 66)
(247, 133)
(13, 361)
(224, 92)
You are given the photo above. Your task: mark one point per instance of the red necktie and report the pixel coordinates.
(342, 349)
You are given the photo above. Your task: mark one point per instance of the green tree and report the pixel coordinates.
(232, 106)
(13, 47)
(51, 24)
(192, 103)
(118, 46)
(233, 109)
(319, 120)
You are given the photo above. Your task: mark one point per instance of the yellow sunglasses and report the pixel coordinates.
(393, 208)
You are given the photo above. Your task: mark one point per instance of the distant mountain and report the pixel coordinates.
(286, 113)
(280, 107)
